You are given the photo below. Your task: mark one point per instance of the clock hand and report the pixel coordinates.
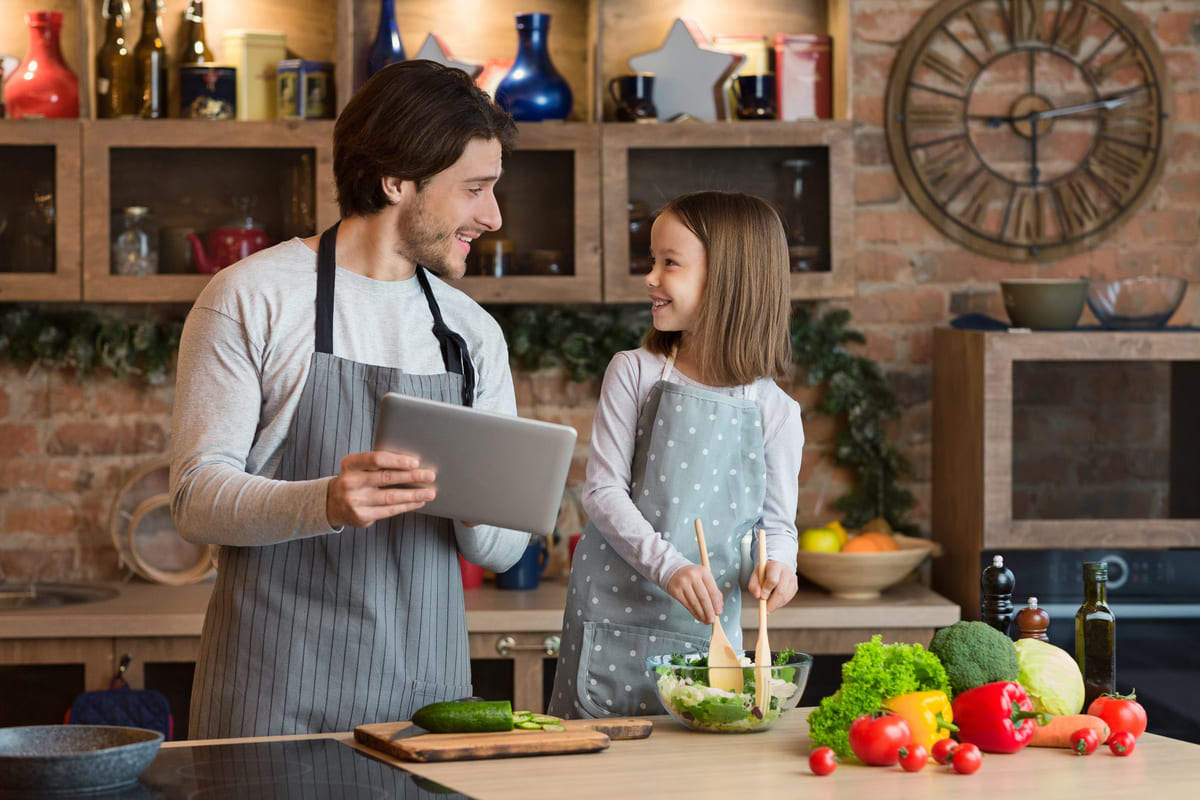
(1108, 104)
(995, 121)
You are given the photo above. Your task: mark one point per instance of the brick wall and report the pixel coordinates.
(66, 444)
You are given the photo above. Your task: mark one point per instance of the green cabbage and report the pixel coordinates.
(1050, 677)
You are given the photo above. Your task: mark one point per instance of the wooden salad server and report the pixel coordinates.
(720, 651)
(762, 650)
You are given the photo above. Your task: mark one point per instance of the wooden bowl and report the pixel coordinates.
(862, 576)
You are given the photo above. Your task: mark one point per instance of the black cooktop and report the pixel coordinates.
(311, 769)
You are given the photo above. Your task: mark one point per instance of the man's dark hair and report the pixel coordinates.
(410, 121)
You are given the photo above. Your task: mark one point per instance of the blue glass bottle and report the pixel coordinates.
(387, 47)
(533, 90)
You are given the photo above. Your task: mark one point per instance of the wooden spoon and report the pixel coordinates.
(762, 650)
(720, 651)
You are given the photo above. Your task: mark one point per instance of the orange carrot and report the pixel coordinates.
(1057, 732)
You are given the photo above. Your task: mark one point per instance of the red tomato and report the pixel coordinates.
(913, 757)
(1122, 712)
(822, 761)
(877, 738)
(943, 750)
(1085, 741)
(1121, 743)
(967, 758)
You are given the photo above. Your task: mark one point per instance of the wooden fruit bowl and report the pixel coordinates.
(862, 576)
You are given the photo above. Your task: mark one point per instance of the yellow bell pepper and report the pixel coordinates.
(929, 715)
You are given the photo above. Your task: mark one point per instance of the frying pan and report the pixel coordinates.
(74, 758)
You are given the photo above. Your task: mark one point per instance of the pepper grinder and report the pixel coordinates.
(996, 587)
(1032, 621)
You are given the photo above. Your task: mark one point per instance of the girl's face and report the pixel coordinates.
(676, 281)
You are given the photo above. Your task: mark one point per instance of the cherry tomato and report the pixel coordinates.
(822, 761)
(1085, 741)
(943, 750)
(913, 757)
(1122, 712)
(967, 758)
(1121, 743)
(877, 738)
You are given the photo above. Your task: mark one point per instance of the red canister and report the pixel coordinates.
(804, 76)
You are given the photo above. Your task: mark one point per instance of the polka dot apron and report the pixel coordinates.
(697, 453)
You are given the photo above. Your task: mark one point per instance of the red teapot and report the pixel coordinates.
(231, 242)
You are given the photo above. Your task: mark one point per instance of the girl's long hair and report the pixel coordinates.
(741, 331)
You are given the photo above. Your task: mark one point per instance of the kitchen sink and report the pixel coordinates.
(16, 595)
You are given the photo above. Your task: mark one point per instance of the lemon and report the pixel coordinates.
(823, 539)
(837, 528)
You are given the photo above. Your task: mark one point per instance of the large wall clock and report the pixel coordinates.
(1028, 130)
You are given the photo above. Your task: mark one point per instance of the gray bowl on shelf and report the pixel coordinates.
(1044, 304)
(1141, 303)
(71, 759)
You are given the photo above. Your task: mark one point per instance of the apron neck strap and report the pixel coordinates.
(455, 354)
(454, 347)
(669, 364)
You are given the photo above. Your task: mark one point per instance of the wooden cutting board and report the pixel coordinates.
(580, 736)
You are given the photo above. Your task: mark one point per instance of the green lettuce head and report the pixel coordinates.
(1050, 677)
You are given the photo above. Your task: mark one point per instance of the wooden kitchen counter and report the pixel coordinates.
(675, 762)
(158, 623)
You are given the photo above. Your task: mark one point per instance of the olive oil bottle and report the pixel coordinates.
(150, 60)
(197, 51)
(1096, 635)
(115, 90)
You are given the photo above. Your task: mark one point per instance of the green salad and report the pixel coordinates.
(684, 690)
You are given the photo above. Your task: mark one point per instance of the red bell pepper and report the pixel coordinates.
(997, 717)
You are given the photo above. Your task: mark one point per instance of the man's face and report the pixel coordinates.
(438, 223)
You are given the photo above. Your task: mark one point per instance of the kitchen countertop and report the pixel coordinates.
(152, 610)
(676, 762)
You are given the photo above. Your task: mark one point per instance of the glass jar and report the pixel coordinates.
(804, 249)
(639, 238)
(135, 242)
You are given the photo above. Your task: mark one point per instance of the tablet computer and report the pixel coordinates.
(492, 468)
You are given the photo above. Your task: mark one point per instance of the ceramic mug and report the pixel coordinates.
(526, 573)
(634, 97)
(755, 95)
(472, 574)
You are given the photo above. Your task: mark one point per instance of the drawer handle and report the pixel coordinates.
(508, 644)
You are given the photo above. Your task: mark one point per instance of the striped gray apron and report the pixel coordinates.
(329, 632)
(697, 453)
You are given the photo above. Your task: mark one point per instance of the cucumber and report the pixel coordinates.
(456, 716)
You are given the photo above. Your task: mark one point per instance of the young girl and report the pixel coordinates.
(691, 425)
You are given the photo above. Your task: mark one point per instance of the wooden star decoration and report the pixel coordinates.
(434, 49)
(688, 73)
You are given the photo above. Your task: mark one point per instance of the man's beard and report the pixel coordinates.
(424, 243)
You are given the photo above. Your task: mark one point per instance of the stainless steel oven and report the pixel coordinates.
(1155, 596)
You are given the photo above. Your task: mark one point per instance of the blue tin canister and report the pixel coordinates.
(305, 89)
(207, 92)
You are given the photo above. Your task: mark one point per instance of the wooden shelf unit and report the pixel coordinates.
(590, 42)
(723, 148)
(973, 448)
(23, 170)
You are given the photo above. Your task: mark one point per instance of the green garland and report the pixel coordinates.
(581, 339)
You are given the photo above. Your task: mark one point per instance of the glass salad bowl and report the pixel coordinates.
(1144, 302)
(682, 683)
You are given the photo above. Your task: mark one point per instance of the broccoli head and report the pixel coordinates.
(974, 653)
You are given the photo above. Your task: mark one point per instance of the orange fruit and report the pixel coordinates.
(870, 542)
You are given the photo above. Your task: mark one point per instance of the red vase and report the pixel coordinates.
(43, 86)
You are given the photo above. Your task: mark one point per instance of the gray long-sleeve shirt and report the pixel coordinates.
(606, 498)
(243, 362)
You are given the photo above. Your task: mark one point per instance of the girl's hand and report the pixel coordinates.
(780, 585)
(695, 587)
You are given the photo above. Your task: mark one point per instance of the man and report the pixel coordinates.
(337, 602)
